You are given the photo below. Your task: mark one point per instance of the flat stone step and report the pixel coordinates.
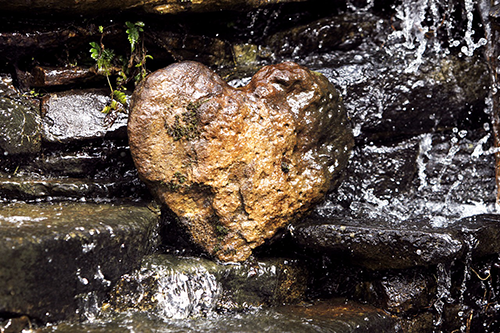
(52, 256)
(377, 244)
(57, 189)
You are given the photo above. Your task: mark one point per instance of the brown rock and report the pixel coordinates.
(233, 164)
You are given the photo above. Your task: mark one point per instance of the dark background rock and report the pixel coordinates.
(20, 188)
(153, 6)
(371, 245)
(19, 121)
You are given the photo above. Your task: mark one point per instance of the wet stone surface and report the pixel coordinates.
(181, 287)
(19, 121)
(433, 178)
(388, 95)
(20, 188)
(386, 104)
(76, 115)
(151, 6)
(334, 316)
(53, 255)
(375, 244)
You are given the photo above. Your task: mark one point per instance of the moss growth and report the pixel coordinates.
(180, 177)
(221, 231)
(285, 167)
(186, 124)
(176, 183)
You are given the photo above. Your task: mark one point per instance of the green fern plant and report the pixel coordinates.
(135, 66)
(133, 33)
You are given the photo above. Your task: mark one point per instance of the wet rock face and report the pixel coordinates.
(54, 255)
(76, 115)
(235, 165)
(201, 286)
(19, 122)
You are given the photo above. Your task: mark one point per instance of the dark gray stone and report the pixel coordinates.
(52, 256)
(388, 94)
(400, 292)
(57, 189)
(387, 103)
(480, 234)
(19, 121)
(152, 6)
(377, 246)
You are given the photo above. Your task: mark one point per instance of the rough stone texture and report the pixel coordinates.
(200, 286)
(60, 76)
(233, 164)
(401, 292)
(386, 103)
(76, 115)
(342, 32)
(52, 256)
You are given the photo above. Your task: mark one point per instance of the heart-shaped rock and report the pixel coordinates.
(237, 164)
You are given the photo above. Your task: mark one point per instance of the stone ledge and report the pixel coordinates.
(52, 254)
(375, 245)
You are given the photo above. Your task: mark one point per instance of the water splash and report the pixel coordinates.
(471, 242)
(425, 26)
(453, 179)
(170, 293)
(471, 46)
(182, 295)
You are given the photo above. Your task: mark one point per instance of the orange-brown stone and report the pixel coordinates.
(237, 164)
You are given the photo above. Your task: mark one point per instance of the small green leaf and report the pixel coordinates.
(120, 96)
(132, 34)
(106, 109)
(101, 29)
(95, 50)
